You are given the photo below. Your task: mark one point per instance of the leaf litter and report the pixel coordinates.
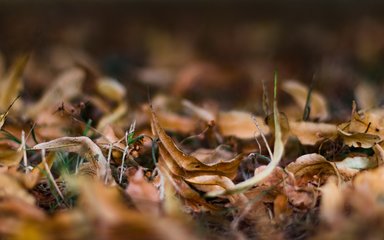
(95, 165)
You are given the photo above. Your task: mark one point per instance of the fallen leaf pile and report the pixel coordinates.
(78, 160)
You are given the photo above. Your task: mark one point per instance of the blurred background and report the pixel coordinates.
(220, 50)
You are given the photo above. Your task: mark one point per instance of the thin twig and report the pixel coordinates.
(263, 137)
(108, 163)
(123, 158)
(23, 148)
(50, 176)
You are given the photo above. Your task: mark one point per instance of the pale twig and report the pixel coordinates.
(108, 163)
(263, 137)
(123, 158)
(23, 148)
(50, 176)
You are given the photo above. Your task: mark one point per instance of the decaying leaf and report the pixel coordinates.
(83, 146)
(369, 123)
(311, 164)
(309, 133)
(363, 140)
(188, 162)
(241, 125)
(185, 190)
(214, 171)
(299, 92)
(176, 123)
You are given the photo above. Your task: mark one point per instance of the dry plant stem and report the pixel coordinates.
(23, 147)
(258, 143)
(123, 158)
(122, 164)
(263, 137)
(275, 159)
(108, 163)
(50, 176)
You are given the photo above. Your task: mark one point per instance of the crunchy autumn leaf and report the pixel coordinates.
(363, 140)
(311, 164)
(188, 162)
(184, 190)
(212, 172)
